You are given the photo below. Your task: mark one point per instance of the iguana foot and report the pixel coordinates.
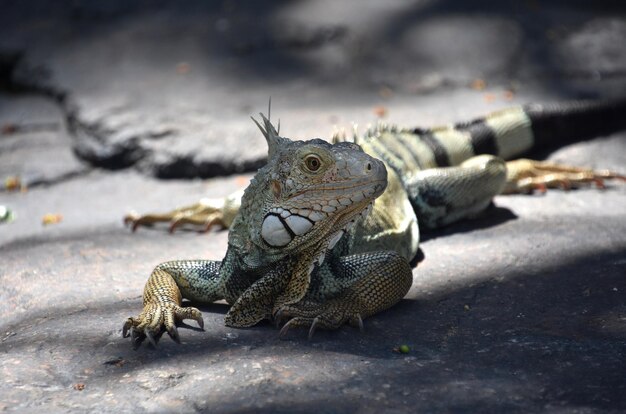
(525, 176)
(331, 315)
(201, 216)
(157, 318)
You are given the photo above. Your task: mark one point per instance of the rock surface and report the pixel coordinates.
(163, 86)
(522, 310)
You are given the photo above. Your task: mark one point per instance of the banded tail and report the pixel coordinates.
(507, 133)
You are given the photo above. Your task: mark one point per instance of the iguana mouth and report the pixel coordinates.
(331, 198)
(282, 225)
(376, 186)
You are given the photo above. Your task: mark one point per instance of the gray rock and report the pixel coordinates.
(34, 144)
(521, 310)
(169, 88)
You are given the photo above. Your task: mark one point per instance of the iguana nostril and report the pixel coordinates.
(369, 166)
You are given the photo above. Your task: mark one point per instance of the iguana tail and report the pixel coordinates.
(507, 133)
(555, 124)
(512, 132)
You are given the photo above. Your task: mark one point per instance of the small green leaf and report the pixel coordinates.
(6, 215)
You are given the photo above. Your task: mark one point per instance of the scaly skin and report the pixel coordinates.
(281, 258)
(307, 242)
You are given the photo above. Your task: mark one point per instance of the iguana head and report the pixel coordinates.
(312, 192)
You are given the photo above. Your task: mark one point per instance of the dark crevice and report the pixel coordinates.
(9, 62)
(91, 146)
(90, 143)
(184, 167)
(39, 181)
(62, 178)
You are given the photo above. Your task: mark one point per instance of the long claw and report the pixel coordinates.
(200, 322)
(136, 337)
(127, 326)
(150, 337)
(193, 313)
(312, 328)
(159, 335)
(175, 223)
(130, 220)
(278, 318)
(285, 328)
(214, 221)
(599, 182)
(360, 323)
(172, 331)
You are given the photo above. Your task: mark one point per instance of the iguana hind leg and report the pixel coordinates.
(526, 175)
(201, 216)
(367, 283)
(441, 196)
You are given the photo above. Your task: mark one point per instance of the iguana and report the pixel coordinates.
(324, 233)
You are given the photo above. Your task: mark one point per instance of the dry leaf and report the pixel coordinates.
(51, 219)
(478, 84)
(183, 68)
(489, 97)
(13, 183)
(380, 111)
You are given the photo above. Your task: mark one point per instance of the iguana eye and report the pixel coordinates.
(312, 162)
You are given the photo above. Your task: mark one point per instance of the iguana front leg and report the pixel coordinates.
(356, 287)
(205, 214)
(169, 282)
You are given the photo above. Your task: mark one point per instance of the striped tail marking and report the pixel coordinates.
(505, 133)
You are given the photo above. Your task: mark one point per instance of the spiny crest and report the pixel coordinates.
(270, 133)
(380, 128)
(371, 131)
(340, 135)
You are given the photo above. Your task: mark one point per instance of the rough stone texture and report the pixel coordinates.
(163, 86)
(34, 144)
(522, 310)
